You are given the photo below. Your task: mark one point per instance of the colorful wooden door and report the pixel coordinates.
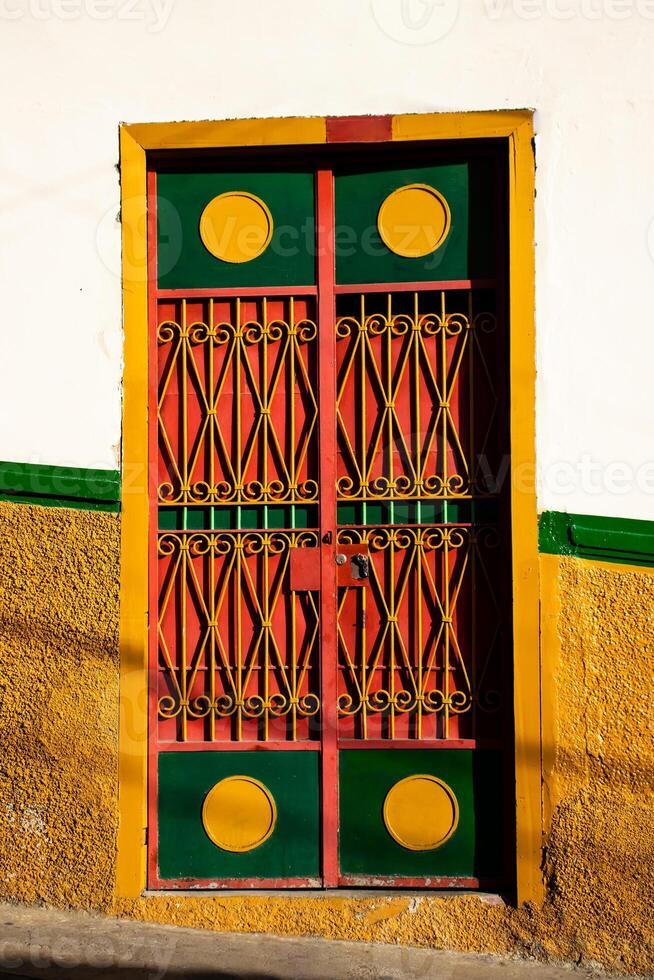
(330, 652)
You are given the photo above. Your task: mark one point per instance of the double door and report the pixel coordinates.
(329, 538)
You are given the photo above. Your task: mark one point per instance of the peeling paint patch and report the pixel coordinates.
(387, 910)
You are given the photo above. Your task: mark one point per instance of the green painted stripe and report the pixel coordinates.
(614, 539)
(60, 486)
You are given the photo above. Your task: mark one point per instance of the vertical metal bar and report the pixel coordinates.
(391, 633)
(238, 591)
(420, 464)
(472, 465)
(390, 409)
(237, 411)
(211, 557)
(265, 558)
(473, 516)
(419, 557)
(364, 653)
(211, 401)
(362, 381)
(294, 651)
(328, 457)
(443, 388)
(390, 402)
(446, 634)
(365, 680)
(290, 395)
(183, 566)
(185, 472)
(183, 634)
(264, 400)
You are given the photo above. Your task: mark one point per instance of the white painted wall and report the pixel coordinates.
(71, 69)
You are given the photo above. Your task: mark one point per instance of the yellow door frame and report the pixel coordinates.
(516, 127)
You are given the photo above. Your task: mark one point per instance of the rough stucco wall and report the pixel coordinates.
(58, 776)
(600, 855)
(59, 708)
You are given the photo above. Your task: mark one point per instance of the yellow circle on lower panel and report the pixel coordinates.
(414, 220)
(239, 814)
(236, 226)
(421, 812)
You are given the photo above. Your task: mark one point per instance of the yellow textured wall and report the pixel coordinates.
(59, 712)
(58, 776)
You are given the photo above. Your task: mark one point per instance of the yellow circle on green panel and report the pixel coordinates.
(239, 814)
(414, 220)
(421, 812)
(236, 226)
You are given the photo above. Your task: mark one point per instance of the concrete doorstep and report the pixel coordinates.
(41, 943)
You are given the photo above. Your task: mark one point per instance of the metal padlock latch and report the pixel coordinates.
(360, 566)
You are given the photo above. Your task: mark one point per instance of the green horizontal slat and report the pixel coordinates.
(75, 504)
(613, 539)
(220, 518)
(425, 511)
(60, 486)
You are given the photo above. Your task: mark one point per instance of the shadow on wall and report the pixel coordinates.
(58, 772)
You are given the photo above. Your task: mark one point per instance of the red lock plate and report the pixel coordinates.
(344, 573)
(305, 569)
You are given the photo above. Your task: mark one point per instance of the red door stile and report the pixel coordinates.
(151, 832)
(328, 613)
(159, 744)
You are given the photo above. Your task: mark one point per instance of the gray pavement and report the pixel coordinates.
(42, 943)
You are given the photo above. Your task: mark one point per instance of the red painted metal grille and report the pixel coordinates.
(418, 648)
(290, 428)
(418, 438)
(237, 407)
(417, 400)
(239, 651)
(238, 486)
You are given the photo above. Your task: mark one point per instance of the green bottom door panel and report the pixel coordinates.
(421, 814)
(248, 815)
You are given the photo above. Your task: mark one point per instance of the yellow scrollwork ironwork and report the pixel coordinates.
(245, 576)
(428, 673)
(249, 460)
(385, 356)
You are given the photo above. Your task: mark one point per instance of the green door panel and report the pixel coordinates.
(467, 252)
(184, 262)
(185, 850)
(367, 848)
